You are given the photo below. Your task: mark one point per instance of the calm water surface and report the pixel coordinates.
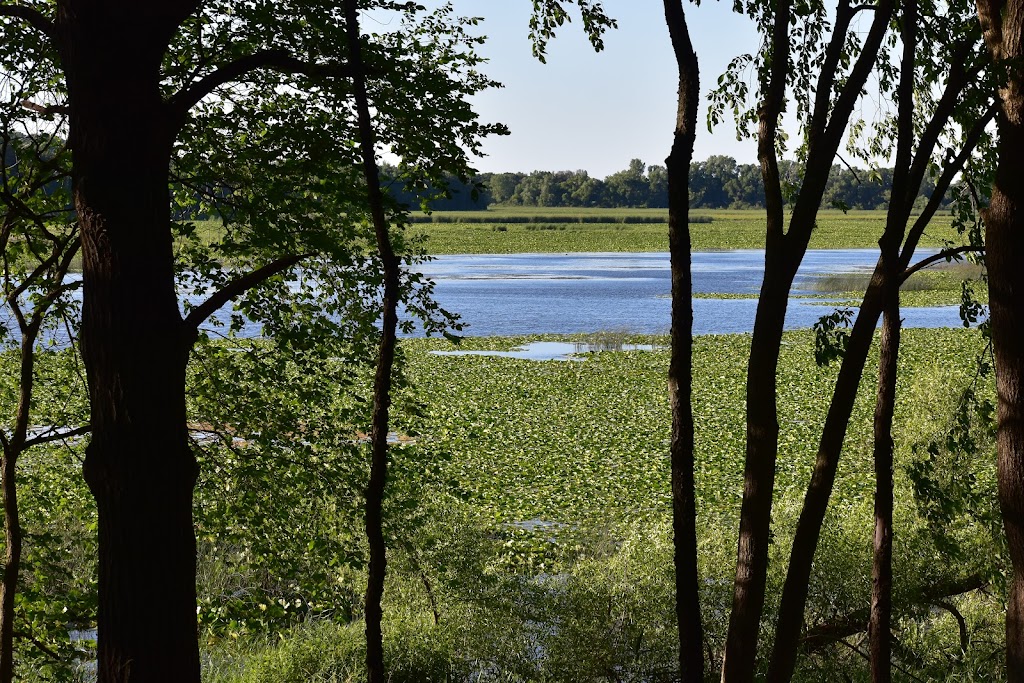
(516, 294)
(513, 294)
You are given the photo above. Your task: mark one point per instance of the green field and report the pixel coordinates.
(502, 230)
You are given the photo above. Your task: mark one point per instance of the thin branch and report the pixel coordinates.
(46, 109)
(960, 78)
(39, 645)
(943, 255)
(965, 638)
(850, 168)
(57, 436)
(832, 132)
(204, 310)
(33, 18)
(277, 60)
(951, 169)
(827, 75)
(868, 659)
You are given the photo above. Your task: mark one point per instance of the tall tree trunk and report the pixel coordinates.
(844, 394)
(784, 250)
(13, 447)
(680, 375)
(901, 199)
(880, 624)
(1004, 239)
(762, 436)
(391, 266)
(12, 562)
(1003, 23)
(138, 464)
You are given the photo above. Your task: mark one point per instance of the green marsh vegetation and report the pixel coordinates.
(528, 513)
(540, 549)
(510, 230)
(507, 230)
(939, 285)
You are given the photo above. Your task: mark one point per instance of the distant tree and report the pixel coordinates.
(502, 186)
(629, 187)
(657, 183)
(746, 190)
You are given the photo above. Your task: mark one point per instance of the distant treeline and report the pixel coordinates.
(716, 183)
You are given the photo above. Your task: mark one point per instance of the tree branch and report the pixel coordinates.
(39, 645)
(277, 60)
(943, 255)
(56, 436)
(237, 287)
(827, 74)
(965, 638)
(959, 79)
(951, 169)
(834, 630)
(46, 109)
(33, 18)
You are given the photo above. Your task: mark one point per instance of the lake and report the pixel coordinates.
(515, 294)
(518, 294)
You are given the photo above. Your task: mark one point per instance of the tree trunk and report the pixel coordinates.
(1004, 240)
(134, 346)
(391, 266)
(14, 446)
(1003, 24)
(12, 563)
(880, 624)
(901, 199)
(680, 376)
(762, 436)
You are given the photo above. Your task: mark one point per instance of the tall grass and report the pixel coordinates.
(939, 285)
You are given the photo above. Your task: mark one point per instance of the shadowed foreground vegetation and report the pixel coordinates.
(541, 550)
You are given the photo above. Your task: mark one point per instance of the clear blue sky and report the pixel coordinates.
(596, 111)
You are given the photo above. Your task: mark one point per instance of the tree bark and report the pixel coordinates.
(138, 464)
(844, 394)
(784, 250)
(880, 624)
(1003, 24)
(680, 377)
(375, 668)
(12, 562)
(762, 436)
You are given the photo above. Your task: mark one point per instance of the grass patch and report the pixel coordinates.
(510, 230)
(621, 230)
(940, 285)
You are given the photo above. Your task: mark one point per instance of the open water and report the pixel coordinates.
(517, 294)
(504, 295)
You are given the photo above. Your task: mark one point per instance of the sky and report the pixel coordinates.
(596, 111)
